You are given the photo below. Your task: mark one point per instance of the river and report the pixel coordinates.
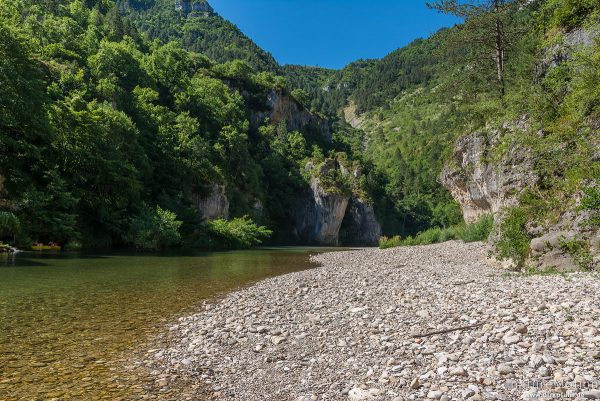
(69, 323)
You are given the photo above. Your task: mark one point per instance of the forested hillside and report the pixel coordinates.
(526, 125)
(198, 28)
(138, 122)
(108, 138)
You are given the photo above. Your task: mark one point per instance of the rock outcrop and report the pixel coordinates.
(334, 216)
(570, 244)
(193, 6)
(564, 49)
(215, 205)
(482, 186)
(281, 107)
(360, 226)
(319, 214)
(483, 182)
(352, 118)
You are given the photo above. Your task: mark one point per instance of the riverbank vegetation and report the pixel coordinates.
(113, 123)
(478, 231)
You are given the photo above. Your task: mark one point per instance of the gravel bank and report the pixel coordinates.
(348, 331)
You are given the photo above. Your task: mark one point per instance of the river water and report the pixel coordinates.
(69, 323)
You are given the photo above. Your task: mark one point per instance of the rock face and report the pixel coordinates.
(352, 117)
(570, 244)
(331, 217)
(280, 107)
(562, 51)
(360, 226)
(319, 215)
(215, 205)
(482, 186)
(193, 6)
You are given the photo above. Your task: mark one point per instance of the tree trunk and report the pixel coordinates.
(500, 53)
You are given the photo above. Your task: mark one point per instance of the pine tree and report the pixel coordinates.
(487, 31)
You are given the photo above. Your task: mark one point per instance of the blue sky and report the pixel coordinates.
(331, 33)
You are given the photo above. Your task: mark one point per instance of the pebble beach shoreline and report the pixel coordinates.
(433, 322)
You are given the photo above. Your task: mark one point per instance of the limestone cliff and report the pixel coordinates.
(352, 118)
(482, 186)
(320, 212)
(281, 107)
(483, 182)
(334, 215)
(360, 226)
(215, 205)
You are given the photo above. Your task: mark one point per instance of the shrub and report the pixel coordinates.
(478, 231)
(513, 242)
(569, 13)
(591, 202)
(579, 252)
(239, 233)
(155, 229)
(9, 224)
(385, 242)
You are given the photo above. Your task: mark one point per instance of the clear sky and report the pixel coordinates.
(331, 33)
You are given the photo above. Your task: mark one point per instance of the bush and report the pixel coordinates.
(478, 231)
(513, 242)
(591, 202)
(9, 224)
(579, 252)
(239, 233)
(155, 229)
(385, 242)
(570, 13)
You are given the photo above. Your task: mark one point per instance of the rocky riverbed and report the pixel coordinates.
(362, 327)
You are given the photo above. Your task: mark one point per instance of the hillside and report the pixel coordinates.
(199, 28)
(435, 123)
(149, 144)
(160, 113)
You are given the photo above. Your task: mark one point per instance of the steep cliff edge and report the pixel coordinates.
(215, 205)
(331, 213)
(360, 226)
(320, 212)
(482, 186)
(541, 184)
(281, 107)
(486, 184)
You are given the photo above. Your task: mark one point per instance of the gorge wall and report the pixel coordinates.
(481, 185)
(281, 107)
(485, 180)
(332, 217)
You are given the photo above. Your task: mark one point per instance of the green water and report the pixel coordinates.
(68, 323)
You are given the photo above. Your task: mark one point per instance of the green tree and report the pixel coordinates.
(301, 96)
(49, 215)
(239, 233)
(155, 229)
(487, 33)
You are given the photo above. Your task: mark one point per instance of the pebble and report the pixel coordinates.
(345, 331)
